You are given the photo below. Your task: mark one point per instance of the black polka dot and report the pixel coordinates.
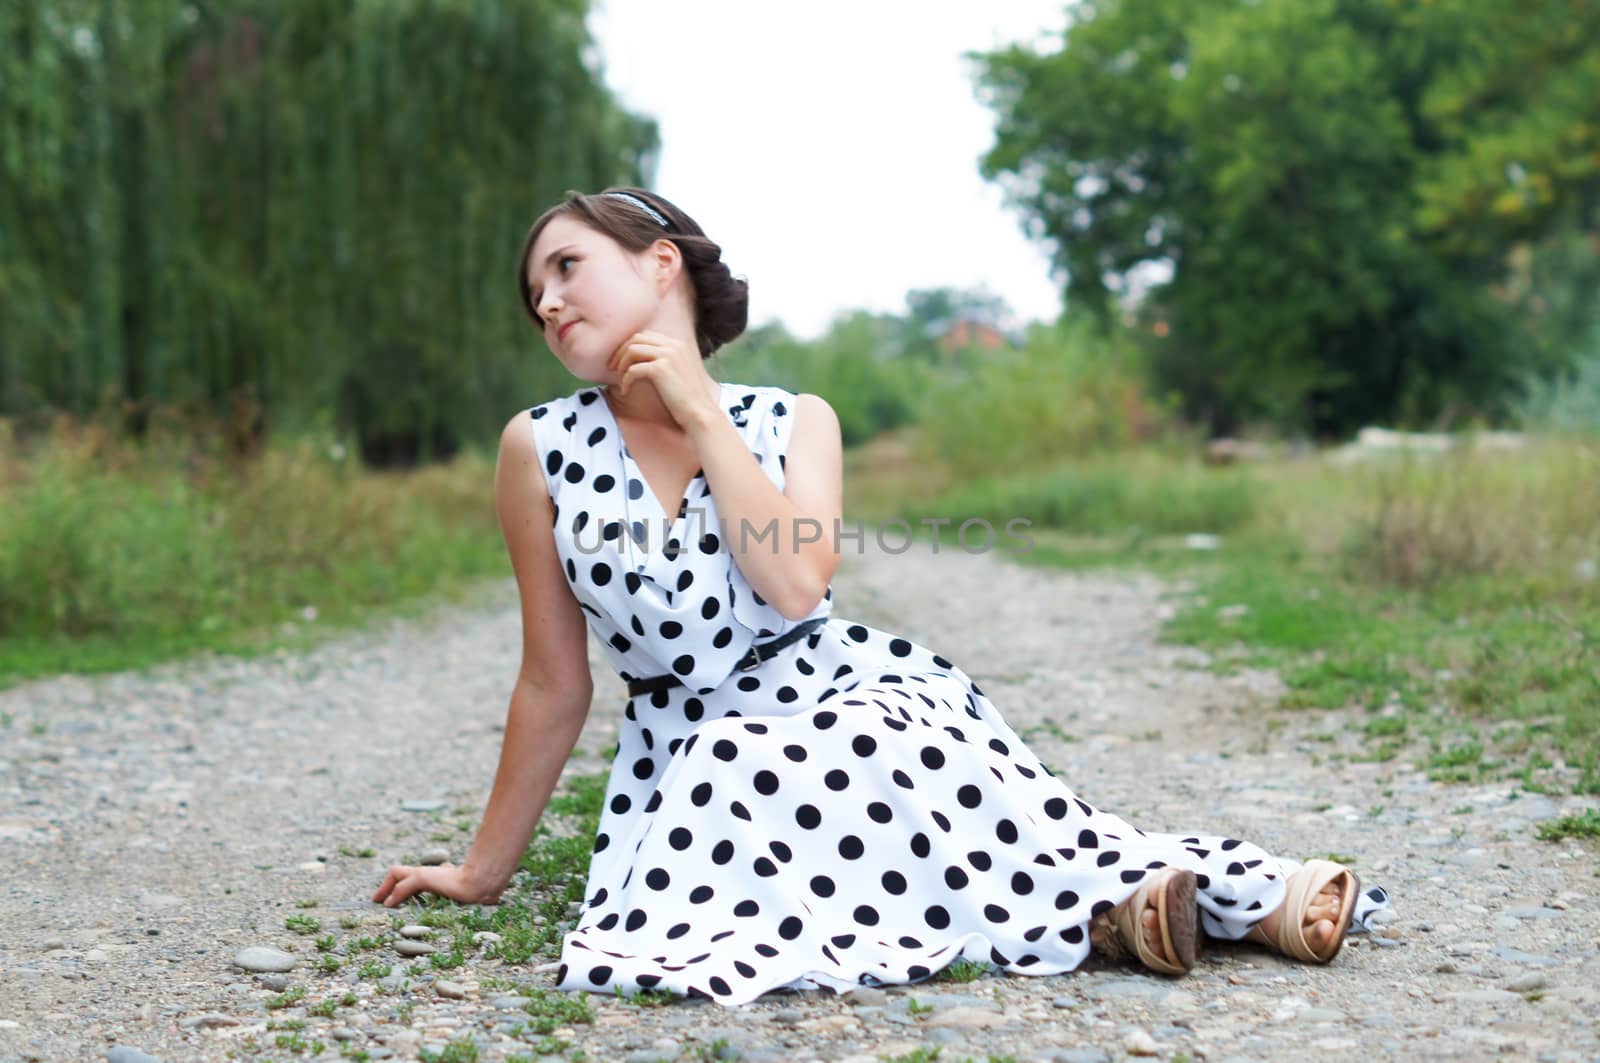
(1066, 899)
(701, 794)
(680, 838)
(746, 908)
(790, 928)
(866, 915)
(937, 917)
(600, 975)
(796, 753)
(920, 845)
(822, 885)
(995, 914)
(643, 768)
(766, 783)
(836, 779)
(636, 919)
(1055, 808)
(894, 882)
(864, 745)
(955, 878)
(1021, 884)
(600, 573)
(932, 758)
(658, 879)
(724, 750)
(969, 796)
(701, 894)
(808, 816)
(899, 647)
(851, 847)
(722, 852)
(879, 812)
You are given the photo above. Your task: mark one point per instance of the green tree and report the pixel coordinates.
(1318, 176)
(295, 207)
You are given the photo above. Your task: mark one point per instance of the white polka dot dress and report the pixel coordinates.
(851, 811)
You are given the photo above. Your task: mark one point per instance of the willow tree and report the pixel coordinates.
(307, 208)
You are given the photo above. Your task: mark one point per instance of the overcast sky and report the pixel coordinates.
(832, 147)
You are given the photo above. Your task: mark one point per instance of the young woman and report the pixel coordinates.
(798, 800)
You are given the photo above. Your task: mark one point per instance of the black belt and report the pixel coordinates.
(758, 653)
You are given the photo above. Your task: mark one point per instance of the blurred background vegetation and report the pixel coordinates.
(257, 331)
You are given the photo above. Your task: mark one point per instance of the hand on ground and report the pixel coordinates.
(404, 881)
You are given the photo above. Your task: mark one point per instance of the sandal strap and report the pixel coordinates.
(1302, 887)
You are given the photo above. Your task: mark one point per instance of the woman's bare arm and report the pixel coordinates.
(790, 566)
(548, 702)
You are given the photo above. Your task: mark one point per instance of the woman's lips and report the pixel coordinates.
(561, 333)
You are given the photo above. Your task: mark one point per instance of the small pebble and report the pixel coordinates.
(434, 857)
(124, 1054)
(407, 947)
(1140, 1043)
(450, 990)
(258, 958)
(412, 930)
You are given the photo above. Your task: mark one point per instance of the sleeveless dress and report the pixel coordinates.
(852, 811)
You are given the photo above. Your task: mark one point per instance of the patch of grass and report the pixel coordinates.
(302, 924)
(916, 1007)
(1585, 824)
(532, 917)
(460, 1050)
(649, 998)
(961, 971)
(118, 555)
(551, 1009)
(1447, 599)
(364, 852)
(287, 998)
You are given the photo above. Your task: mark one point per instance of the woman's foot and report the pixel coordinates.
(1158, 925)
(1312, 921)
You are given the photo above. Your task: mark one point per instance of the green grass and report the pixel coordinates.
(116, 556)
(961, 971)
(532, 916)
(1441, 599)
(1585, 824)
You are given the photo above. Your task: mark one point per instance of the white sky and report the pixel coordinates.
(832, 147)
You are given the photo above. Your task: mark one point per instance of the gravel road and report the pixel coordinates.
(153, 825)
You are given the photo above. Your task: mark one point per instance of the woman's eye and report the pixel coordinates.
(561, 263)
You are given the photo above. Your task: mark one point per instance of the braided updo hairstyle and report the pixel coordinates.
(721, 300)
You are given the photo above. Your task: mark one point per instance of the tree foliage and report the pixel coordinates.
(1335, 184)
(298, 207)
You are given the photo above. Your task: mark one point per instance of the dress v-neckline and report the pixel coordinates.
(631, 469)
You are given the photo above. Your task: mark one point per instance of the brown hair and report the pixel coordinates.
(721, 300)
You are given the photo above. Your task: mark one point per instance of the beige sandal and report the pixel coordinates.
(1118, 933)
(1304, 885)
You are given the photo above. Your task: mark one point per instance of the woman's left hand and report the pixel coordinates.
(675, 370)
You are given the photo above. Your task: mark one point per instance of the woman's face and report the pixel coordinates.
(590, 295)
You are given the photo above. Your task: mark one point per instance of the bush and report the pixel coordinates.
(167, 543)
(1570, 403)
(1067, 393)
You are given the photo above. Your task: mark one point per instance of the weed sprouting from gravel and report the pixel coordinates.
(961, 971)
(1585, 824)
(302, 924)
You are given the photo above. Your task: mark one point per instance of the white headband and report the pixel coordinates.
(642, 205)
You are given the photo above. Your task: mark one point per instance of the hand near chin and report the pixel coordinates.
(674, 368)
(403, 882)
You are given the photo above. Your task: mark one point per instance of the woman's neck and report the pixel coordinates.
(643, 403)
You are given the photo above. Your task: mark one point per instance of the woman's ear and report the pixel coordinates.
(668, 262)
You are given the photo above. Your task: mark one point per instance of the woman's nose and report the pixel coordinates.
(549, 307)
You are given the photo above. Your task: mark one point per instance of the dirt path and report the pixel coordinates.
(153, 825)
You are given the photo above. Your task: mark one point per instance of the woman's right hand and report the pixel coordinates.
(404, 881)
